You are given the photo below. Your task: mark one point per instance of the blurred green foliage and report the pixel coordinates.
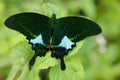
(101, 58)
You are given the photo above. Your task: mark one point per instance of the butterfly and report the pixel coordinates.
(50, 34)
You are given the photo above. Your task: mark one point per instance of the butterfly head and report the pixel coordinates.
(54, 16)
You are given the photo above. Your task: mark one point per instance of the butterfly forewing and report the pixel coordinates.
(57, 36)
(30, 24)
(77, 28)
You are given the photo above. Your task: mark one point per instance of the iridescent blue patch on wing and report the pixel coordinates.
(66, 43)
(37, 40)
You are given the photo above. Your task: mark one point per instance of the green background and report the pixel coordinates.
(100, 58)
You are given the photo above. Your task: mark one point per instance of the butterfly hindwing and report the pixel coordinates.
(77, 28)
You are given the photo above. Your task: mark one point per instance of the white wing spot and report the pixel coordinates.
(66, 43)
(37, 40)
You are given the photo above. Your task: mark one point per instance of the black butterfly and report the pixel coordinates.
(57, 35)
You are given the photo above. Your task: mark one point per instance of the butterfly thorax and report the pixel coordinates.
(53, 22)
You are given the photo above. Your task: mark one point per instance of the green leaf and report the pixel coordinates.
(20, 55)
(75, 49)
(48, 9)
(45, 62)
(33, 75)
(74, 70)
(24, 73)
